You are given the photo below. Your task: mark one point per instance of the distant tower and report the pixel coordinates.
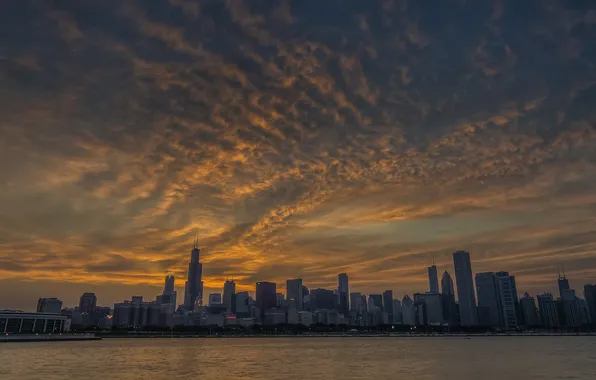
(433, 279)
(228, 294)
(169, 284)
(294, 293)
(193, 290)
(465, 288)
(344, 293)
(563, 283)
(447, 285)
(87, 303)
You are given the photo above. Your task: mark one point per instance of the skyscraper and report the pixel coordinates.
(563, 284)
(508, 293)
(169, 284)
(87, 303)
(447, 285)
(529, 312)
(465, 288)
(294, 293)
(343, 293)
(377, 300)
(265, 297)
(356, 302)
(590, 297)
(388, 304)
(228, 294)
(169, 293)
(490, 312)
(49, 305)
(549, 314)
(449, 306)
(193, 290)
(433, 279)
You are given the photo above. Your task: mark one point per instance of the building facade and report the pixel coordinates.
(465, 289)
(49, 305)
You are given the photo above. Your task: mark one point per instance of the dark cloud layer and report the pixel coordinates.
(297, 138)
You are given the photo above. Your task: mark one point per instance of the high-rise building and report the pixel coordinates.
(447, 285)
(377, 300)
(529, 312)
(590, 297)
(168, 297)
(449, 306)
(490, 312)
(433, 279)
(214, 299)
(465, 288)
(408, 311)
(242, 305)
(229, 290)
(279, 299)
(343, 293)
(548, 309)
(169, 284)
(563, 283)
(193, 290)
(388, 304)
(356, 302)
(322, 299)
(433, 303)
(363, 304)
(266, 297)
(87, 303)
(294, 293)
(397, 312)
(49, 305)
(509, 305)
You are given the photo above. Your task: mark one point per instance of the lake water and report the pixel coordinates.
(303, 358)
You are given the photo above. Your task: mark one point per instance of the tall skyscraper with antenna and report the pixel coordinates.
(433, 278)
(193, 290)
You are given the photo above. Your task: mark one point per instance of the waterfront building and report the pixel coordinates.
(305, 318)
(397, 312)
(407, 311)
(265, 297)
(433, 303)
(229, 291)
(465, 288)
(169, 284)
(343, 293)
(388, 305)
(490, 311)
(294, 293)
(243, 305)
(18, 322)
(590, 297)
(433, 279)
(509, 299)
(450, 311)
(548, 311)
(529, 312)
(169, 294)
(87, 303)
(49, 305)
(193, 288)
(563, 283)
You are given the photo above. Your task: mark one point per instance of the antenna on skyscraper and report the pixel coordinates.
(196, 242)
(563, 268)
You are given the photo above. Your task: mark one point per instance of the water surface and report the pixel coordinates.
(303, 358)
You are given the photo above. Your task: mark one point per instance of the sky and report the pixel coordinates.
(296, 138)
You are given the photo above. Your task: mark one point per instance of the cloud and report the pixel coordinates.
(301, 139)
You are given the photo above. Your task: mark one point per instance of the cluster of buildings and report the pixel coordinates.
(487, 299)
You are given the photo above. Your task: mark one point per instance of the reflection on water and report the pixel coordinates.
(304, 358)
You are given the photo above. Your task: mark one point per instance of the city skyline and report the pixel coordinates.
(297, 138)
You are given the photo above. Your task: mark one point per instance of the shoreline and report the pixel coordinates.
(463, 336)
(20, 338)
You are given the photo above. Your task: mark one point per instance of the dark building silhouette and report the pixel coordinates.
(590, 297)
(265, 296)
(388, 304)
(87, 303)
(465, 288)
(193, 289)
(322, 299)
